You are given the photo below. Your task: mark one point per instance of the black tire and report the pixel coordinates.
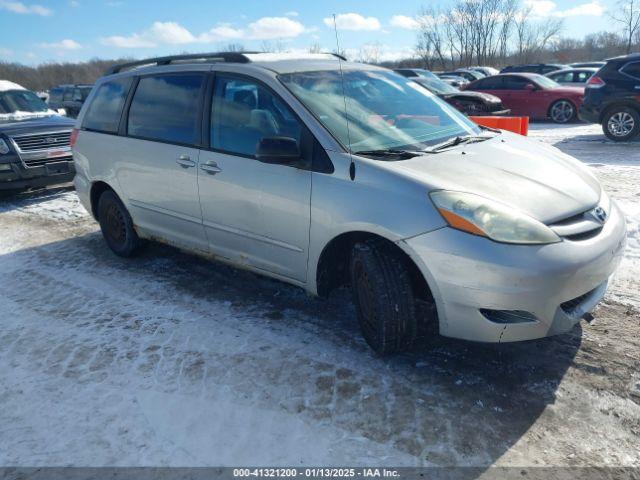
(618, 120)
(116, 225)
(563, 111)
(384, 300)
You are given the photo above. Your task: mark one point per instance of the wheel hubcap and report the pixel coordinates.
(621, 124)
(562, 112)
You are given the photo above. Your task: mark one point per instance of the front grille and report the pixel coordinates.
(43, 161)
(570, 306)
(508, 316)
(42, 141)
(582, 226)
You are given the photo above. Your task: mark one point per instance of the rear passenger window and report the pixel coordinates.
(244, 112)
(104, 112)
(490, 83)
(166, 108)
(632, 69)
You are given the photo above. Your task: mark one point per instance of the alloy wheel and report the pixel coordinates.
(562, 111)
(621, 124)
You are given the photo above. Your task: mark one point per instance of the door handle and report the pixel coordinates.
(211, 168)
(185, 162)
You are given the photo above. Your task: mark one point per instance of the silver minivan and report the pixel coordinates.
(323, 173)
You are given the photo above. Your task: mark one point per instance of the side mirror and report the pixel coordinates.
(278, 150)
(530, 87)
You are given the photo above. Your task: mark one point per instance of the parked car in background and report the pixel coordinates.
(532, 95)
(572, 77)
(539, 68)
(454, 80)
(414, 72)
(34, 141)
(69, 97)
(468, 102)
(587, 64)
(469, 75)
(430, 219)
(487, 71)
(612, 98)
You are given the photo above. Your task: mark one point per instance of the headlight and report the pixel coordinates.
(4, 148)
(487, 218)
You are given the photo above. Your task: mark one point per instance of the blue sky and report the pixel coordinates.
(70, 30)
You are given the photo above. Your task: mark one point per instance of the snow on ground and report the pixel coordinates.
(168, 359)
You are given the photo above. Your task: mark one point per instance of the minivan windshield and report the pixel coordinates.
(384, 110)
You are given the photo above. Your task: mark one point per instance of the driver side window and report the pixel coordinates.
(244, 112)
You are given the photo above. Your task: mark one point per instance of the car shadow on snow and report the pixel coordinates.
(12, 199)
(448, 402)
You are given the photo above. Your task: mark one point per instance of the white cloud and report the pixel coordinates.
(66, 44)
(5, 52)
(549, 8)
(172, 33)
(403, 21)
(292, 13)
(223, 31)
(353, 21)
(132, 41)
(74, 3)
(268, 28)
(19, 7)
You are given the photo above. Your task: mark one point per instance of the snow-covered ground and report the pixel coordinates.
(168, 359)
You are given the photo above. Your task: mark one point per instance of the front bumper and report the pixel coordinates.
(19, 177)
(468, 273)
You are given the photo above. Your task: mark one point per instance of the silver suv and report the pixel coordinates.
(323, 173)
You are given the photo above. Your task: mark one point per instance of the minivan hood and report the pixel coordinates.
(535, 178)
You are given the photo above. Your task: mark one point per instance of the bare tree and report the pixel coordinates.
(430, 44)
(369, 53)
(315, 48)
(233, 47)
(627, 14)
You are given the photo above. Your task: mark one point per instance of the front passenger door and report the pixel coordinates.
(255, 213)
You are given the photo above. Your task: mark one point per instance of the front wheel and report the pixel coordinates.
(382, 293)
(562, 111)
(116, 225)
(621, 124)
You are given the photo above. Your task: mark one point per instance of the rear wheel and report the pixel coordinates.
(382, 292)
(116, 225)
(562, 111)
(621, 124)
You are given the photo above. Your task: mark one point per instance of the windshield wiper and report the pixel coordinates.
(389, 152)
(460, 139)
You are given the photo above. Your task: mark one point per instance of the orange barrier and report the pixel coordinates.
(513, 124)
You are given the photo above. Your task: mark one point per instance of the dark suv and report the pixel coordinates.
(69, 97)
(612, 98)
(539, 68)
(34, 141)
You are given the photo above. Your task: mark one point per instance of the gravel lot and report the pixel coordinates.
(168, 359)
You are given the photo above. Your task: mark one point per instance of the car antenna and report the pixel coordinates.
(352, 165)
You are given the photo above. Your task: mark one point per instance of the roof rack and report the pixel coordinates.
(233, 57)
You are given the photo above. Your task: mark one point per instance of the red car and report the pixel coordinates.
(532, 95)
